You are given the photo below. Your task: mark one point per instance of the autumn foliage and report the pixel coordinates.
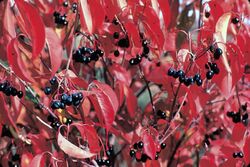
(124, 83)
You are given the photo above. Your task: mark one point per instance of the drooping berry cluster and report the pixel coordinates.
(238, 116)
(86, 55)
(55, 123)
(73, 6)
(8, 90)
(238, 154)
(212, 136)
(212, 69)
(68, 100)
(48, 90)
(107, 162)
(180, 74)
(137, 152)
(60, 20)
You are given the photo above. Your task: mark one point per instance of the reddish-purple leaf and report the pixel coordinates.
(131, 101)
(88, 132)
(165, 8)
(149, 145)
(133, 33)
(55, 50)
(16, 62)
(38, 160)
(33, 25)
(246, 150)
(238, 132)
(104, 101)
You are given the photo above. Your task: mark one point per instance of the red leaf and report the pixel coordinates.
(133, 33)
(104, 101)
(88, 132)
(55, 50)
(16, 63)
(26, 159)
(246, 150)
(131, 101)
(121, 74)
(165, 8)
(71, 149)
(34, 26)
(149, 145)
(97, 17)
(238, 132)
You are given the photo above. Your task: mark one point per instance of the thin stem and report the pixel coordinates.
(150, 94)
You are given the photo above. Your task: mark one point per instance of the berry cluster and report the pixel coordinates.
(55, 123)
(86, 55)
(184, 79)
(237, 117)
(60, 20)
(212, 136)
(15, 161)
(10, 90)
(238, 154)
(136, 152)
(68, 100)
(212, 69)
(48, 90)
(138, 59)
(217, 52)
(110, 154)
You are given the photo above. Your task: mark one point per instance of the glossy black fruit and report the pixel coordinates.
(69, 100)
(62, 105)
(13, 91)
(116, 35)
(146, 50)
(197, 77)
(199, 82)
(235, 154)
(236, 118)
(47, 90)
(235, 20)
(76, 103)
(53, 81)
(180, 73)
(68, 121)
(55, 104)
(64, 98)
(156, 156)
(99, 52)
(135, 146)
(217, 53)
(210, 74)
(245, 116)
(20, 94)
(116, 53)
(163, 145)
(240, 154)
(107, 162)
(182, 79)
(132, 153)
(7, 91)
(94, 56)
(140, 144)
(3, 86)
(171, 72)
(133, 61)
(144, 157)
(161, 114)
(123, 43)
(65, 4)
(230, 113)
(50, 118)
(207, 14)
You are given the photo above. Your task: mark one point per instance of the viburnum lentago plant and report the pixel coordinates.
(150, 83)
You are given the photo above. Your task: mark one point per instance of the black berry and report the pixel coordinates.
(69, 100)
(144, 157)
(47, 90)
(140, 144)
(132, 153)
(199, 82)
(116, 35)
(161, 114)
(245, 116)
(99, 52)
(107, 162)
(145, 49)
(20, 94)
(55, 104)
(217, 53)
(53, 81)
(207, 14)
(123, 43)
(116, 53)
(163, 145)
(235, 154)
(171, 72)
(180, 73)
(65, 4)
(68, 121)
(94, 56)
(240, 154)
(210, 74)
(13, 91)
(235, 20)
